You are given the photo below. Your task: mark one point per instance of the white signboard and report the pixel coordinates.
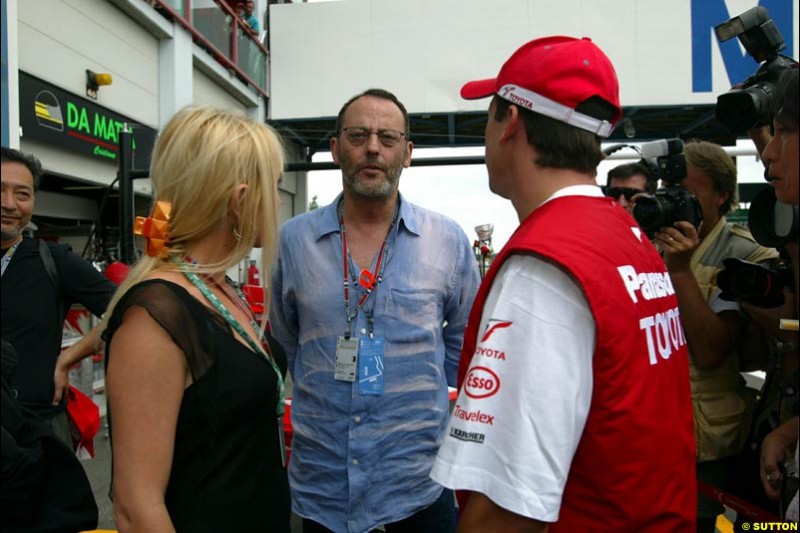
(665, 51)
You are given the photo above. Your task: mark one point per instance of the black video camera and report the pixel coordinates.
(743, 281)
(671, 202)
(750, 106)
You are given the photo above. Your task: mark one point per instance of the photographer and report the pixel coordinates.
(780, 156)
(627, 180)
(713, 327)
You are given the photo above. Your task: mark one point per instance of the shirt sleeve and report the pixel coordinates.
(82, 283)
(464, 285)
(526, 397)
(282, 311)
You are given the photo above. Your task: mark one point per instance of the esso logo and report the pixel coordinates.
(481, 382)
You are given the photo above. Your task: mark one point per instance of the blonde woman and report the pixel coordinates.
(195, 397)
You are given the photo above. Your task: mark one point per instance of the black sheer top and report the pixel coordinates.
(226, 471)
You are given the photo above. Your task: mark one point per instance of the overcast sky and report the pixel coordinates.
(462, 192)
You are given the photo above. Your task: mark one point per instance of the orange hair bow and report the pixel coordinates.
(155, 229)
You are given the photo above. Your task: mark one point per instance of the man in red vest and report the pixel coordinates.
(574, 411)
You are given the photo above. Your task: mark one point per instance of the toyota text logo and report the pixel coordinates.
(481, 382)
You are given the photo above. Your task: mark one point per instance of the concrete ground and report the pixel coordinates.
(98, 470)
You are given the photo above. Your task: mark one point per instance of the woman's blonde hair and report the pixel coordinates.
(200, 159)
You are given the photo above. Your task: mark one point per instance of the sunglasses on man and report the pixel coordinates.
(616, 192)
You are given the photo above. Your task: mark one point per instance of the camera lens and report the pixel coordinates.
(651, 212)
(736, 110)
(749, 283)
(742, 109)
(742, 281)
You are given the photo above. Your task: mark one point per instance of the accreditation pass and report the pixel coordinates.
(346, 359)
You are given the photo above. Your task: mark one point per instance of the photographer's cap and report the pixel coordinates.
(559, 77)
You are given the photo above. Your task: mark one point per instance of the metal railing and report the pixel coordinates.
(215, 26)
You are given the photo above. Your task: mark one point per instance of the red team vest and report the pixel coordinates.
(634, 469)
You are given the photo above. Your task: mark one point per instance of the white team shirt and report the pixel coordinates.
(521, 412)
(515, 443)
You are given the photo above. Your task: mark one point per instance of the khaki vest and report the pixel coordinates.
(723, 406)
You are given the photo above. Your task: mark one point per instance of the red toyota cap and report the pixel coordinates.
(552, 76)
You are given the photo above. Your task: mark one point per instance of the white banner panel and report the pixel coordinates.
(665, 51)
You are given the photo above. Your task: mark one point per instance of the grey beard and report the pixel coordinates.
(382, 191)
(9, 236)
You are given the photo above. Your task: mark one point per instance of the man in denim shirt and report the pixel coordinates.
(370, 299)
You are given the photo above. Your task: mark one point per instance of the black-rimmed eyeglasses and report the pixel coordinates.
(358, 136)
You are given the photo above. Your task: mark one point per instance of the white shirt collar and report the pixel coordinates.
(576, 190)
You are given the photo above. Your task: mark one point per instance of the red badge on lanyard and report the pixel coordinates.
(367, 279)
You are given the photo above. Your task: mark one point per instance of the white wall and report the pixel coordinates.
(59, 40)
(207, 92)
(12, 56)
(424, 50)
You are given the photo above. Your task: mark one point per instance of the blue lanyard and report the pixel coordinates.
(229, 318)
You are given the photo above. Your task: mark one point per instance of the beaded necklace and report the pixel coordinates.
(231, 320)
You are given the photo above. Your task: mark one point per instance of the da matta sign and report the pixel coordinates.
(53, 115)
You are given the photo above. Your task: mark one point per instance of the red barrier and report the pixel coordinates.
(743, 508)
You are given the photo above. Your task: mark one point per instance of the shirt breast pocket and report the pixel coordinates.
(413, 315)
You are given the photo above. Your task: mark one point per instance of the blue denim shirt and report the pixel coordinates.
(360, 461)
